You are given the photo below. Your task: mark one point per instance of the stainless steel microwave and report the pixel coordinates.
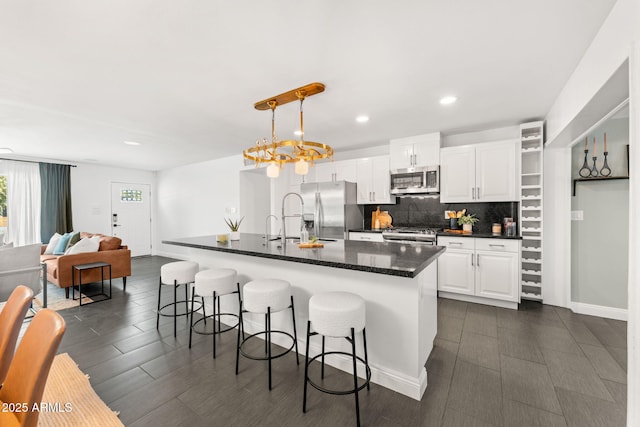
(419, 180)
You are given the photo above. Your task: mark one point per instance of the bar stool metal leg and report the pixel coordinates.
(355, 375)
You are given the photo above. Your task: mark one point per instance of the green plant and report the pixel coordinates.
(234, 225)
(468, 219)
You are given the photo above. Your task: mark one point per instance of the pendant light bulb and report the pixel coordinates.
(273, 170)
(302, 167)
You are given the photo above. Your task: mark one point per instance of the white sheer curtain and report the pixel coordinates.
(23, 201)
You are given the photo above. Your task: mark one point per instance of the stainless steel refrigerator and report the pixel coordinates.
(330, 209)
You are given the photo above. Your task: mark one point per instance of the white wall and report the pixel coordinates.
(193, 200)
(91, 194)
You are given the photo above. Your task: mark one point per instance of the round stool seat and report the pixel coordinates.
(222, 281)
(258, 295)
(178, 272)
(333, 314)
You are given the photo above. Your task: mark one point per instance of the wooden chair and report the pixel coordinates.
(27, 376)
(11, 318)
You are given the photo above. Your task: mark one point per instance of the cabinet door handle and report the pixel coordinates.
(454, 243)
(478, 260)
(478, 192)
(374, 196)
(473, 193)
(496, 246)
(472, 260)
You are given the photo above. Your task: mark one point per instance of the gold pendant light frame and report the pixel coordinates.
(288, 151)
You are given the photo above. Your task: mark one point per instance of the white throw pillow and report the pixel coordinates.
(88, 244)
(52, 244)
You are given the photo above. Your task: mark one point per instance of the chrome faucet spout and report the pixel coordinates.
(284, 215)
(267, 235)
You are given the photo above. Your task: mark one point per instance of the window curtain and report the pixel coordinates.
(55, 200)
(23, 202)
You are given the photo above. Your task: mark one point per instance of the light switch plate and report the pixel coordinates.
(577, 215)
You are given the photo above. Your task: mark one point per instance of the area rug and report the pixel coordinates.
(57, 301)
(69, 400)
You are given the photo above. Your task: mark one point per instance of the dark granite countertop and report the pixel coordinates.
(479, 235)
(393, 259)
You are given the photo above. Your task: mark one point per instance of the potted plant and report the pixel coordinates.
(467, 221)
(234, 226)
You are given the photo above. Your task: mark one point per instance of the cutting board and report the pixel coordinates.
(311, 245)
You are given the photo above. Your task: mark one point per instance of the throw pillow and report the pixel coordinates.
(75, 238)
(88, 244)
(53, 242)
(61, 247)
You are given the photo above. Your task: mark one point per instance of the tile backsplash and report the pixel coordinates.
(428, 211)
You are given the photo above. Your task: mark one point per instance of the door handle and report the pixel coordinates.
(478, 260)
(478, 192)
(473, 193)
(472, 260)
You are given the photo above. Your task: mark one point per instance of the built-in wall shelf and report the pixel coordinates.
(531, 198)
(596, 178)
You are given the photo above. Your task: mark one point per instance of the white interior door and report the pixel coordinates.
(131, 216)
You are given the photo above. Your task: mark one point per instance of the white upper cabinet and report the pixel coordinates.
(479, 173)
(414, 151)
(457, 174)
(344, 170)
(373, 181)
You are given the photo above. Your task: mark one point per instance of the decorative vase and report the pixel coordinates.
(234, 235)
(467, 228)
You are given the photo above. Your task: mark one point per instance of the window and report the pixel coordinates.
(131, 196)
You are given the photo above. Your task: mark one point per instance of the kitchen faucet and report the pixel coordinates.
(284, 216)
(266, 228)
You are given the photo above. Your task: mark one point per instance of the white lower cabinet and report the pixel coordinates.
(477, 267)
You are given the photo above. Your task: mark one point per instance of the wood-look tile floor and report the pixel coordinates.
(538, 366)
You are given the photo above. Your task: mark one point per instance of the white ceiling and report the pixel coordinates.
(77, 78)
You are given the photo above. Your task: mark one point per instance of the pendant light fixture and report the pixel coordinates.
(277, 153)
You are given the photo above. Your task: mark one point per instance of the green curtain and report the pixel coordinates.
(55, 181)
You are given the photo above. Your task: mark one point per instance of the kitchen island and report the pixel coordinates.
(397, 281)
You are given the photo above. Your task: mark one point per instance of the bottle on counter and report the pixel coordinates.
(304, 235)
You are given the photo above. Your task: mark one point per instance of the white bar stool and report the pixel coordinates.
(214, 283)
(337, 314)
(266, 296)
(176, 274)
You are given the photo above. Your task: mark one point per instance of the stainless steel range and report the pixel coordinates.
(417, 235)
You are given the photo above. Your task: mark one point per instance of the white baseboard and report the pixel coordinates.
(599, 310)
(479, 300)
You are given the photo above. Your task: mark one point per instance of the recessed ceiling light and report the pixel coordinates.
(132, 143)
(362, 119)
(297, 132)
(448, 100)
(5, 150)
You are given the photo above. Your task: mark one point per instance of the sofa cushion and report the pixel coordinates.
(62, 244)
(53, 242)
(109, 243)
(88, 244)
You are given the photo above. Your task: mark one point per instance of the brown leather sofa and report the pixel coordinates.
(60, 267)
